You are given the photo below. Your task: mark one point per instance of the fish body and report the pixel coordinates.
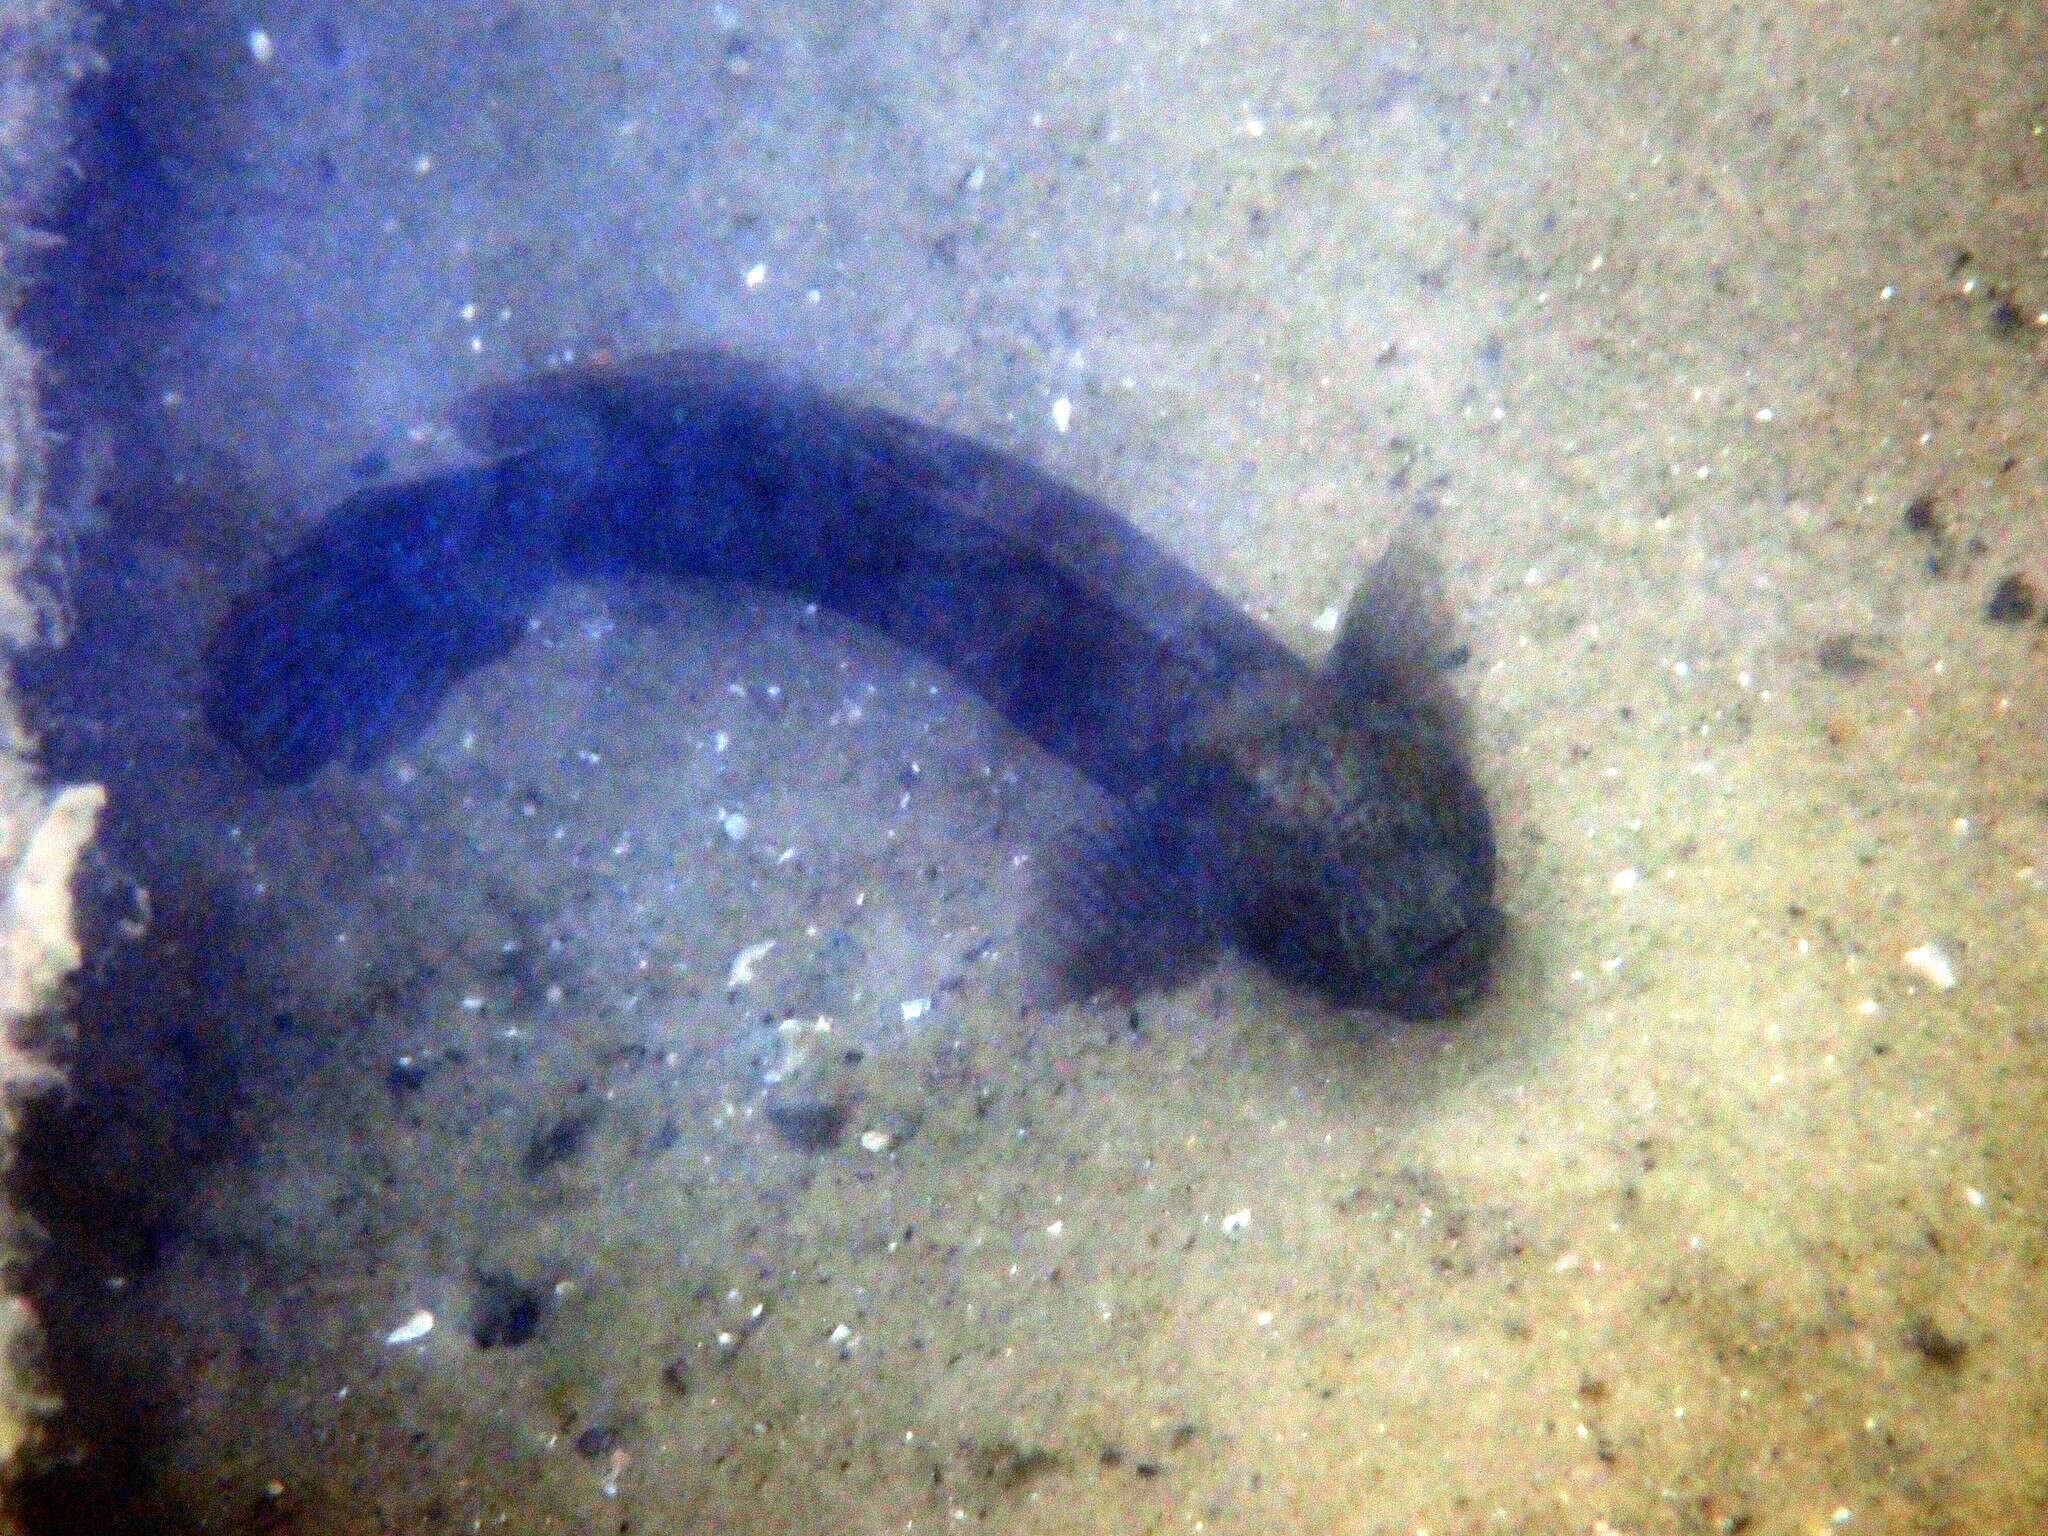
(1322, 819)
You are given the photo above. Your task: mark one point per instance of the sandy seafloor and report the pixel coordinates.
(1653, 321)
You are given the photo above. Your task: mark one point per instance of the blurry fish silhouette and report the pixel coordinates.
(1321, 819)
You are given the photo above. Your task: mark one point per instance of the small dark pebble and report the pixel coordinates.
(407, 1075)
(1921, 516)
(1146, 1469)
(809, 1125)
(2012, 601)
(507, 1313)
(374, 465)
(598, 1440)
(2006, 318)
(1938, 1348)
(676, 1376)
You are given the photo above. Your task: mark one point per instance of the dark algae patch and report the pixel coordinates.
(507, 1314)
(1934, 1345)
(809, 1125)
(557, 1141)
(2012, 600)
(1322, 819)
(1843, 656)
(1007, 1464)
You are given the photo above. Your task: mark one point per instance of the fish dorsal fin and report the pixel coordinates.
(1394, 647)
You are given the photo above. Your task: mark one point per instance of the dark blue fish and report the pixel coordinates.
(1321, 819)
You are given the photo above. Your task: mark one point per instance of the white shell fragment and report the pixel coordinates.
(413, 1329)
(1237, 1223)
(1062, 414)
(877, 1141)
(743, 963)
(1931, 965)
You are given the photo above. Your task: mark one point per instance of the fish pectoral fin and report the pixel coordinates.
(1117, 913)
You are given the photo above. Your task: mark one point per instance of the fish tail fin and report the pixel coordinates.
(355, 634)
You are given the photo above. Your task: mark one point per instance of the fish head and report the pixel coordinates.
(1352, 852)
